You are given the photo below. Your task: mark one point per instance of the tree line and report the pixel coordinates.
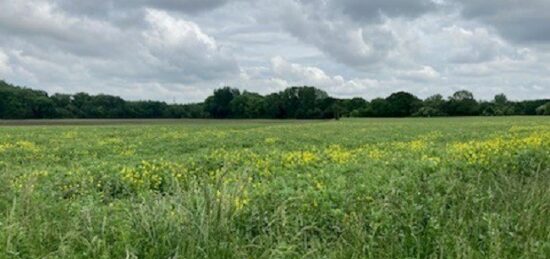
(292, 103)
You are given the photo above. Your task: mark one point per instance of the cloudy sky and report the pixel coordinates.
(180, 50)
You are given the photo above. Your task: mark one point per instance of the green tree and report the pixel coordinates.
(402, 104)
(354, 107)
(432, 106)
(247, 105)
(462, 103)
(302, 102)
(544, 109)
(378, 107)
(498, 107)
(219, 104)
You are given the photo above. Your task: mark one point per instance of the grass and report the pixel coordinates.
(356, 188)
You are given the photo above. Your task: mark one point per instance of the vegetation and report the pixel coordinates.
(354, 188)
(292, 103)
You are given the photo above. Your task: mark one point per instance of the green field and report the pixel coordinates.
(375, 188)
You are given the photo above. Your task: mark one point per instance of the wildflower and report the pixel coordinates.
(338, 155)
(297, 158)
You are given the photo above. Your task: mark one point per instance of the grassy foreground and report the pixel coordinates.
(376, 188)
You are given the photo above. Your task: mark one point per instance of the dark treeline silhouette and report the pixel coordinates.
(292, 103)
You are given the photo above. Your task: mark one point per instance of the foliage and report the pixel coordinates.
(218, 105)
(354, 188)
(462, 103)
(402, 104)
(544, 109)
(292, 103)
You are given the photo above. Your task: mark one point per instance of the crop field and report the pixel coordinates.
(355, 188)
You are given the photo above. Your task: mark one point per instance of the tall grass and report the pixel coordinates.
(229, 192)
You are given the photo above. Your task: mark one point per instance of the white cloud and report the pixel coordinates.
(356, 46)
(374, 9)
(169, 32)
(180, 46)
(142, 49)
(302, 75)
(5, 68)
(58, 51)
(425, 73)
(293, 74)
(521, 21)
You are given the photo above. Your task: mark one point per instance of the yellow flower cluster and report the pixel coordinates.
(418, 145)
(421, 150)
(376, 154)
(338, 154)
(4, 147)
(237, 157)
(22, 145)
(486, 151)
(151, 175)
(298, 158)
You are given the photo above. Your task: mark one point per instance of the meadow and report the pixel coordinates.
(354, 188)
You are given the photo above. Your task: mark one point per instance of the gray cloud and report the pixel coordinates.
(522, 21)
(357, 46)
(62, 51)
(374, 10)
(187, 5)
(114, 7)
(145, 49)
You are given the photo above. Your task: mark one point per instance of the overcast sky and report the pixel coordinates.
(180, 50)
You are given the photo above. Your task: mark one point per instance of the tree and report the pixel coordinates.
(331, 108)
(273, 106)
(402, 104)
(247, 105)
(193, 110)
(529, 107)
(303, 102)
(432, 106)
(63, 105)
(499, 106)
(544, 109)
(500, 99)
(106, 106)
(353, 107)
(11, 104)
(42, 107)
(218, 105)
(462, 103)
(24, 103)
(378, 107)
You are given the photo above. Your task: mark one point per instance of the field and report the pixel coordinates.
(375, 188)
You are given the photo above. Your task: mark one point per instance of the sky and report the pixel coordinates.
(181, 50)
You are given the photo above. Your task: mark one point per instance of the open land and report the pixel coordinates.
(354, 188)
